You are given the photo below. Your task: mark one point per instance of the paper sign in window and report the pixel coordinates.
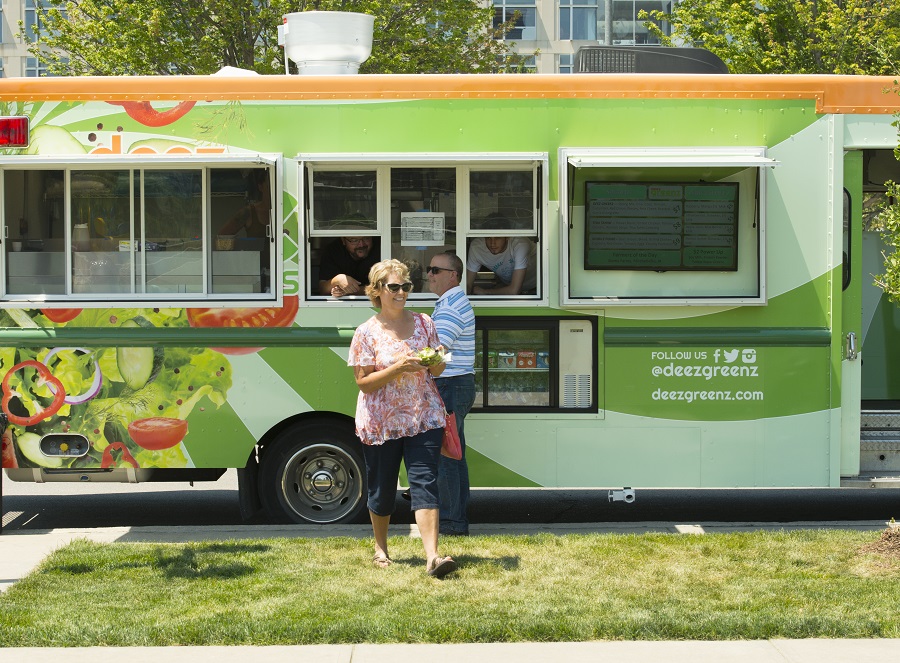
(421, 228)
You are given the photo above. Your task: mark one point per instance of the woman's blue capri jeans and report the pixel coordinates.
(420, 453)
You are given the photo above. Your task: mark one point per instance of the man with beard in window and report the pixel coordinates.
(345, 264)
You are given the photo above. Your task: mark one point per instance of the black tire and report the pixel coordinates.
(314, 472)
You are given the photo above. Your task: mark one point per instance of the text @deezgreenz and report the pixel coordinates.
(733, 363)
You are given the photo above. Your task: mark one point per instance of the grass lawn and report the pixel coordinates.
(816, 583)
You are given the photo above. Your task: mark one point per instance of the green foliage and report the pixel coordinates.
(158, 37)
(889, 227)
(790, 36)
(544, 588)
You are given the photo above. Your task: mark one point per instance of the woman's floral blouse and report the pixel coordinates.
(407, 405)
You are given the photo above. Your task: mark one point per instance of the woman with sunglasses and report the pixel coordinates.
(399, 413)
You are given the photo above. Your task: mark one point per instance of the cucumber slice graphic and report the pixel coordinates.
(138, 365)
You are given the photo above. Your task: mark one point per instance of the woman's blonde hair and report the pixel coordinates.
(378, 277)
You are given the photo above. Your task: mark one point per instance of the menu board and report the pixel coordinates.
(661, 226)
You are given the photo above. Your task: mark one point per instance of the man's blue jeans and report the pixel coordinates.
(458, 393)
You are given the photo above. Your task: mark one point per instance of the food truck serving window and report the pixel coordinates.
(486, 208)
(664, 226)
(128, 230)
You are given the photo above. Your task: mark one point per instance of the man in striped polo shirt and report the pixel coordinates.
(455, 321)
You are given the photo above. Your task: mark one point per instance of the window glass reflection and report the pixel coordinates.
(34, 209)
(345, 200)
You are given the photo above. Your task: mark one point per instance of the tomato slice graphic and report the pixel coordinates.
(267, 316)
(157, 433)
(61, 314)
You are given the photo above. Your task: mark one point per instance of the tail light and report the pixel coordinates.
(14, 131)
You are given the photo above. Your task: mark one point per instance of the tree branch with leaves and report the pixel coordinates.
(788, 36)
(158, 37)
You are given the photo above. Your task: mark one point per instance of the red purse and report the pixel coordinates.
(452, 447)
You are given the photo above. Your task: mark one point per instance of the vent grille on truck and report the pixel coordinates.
(647, 60)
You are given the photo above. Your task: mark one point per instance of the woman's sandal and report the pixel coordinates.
(382, 561)
(441, 566)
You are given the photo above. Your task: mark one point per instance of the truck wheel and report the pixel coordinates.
(314, 473)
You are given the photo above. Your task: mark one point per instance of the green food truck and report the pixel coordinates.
(703, 248)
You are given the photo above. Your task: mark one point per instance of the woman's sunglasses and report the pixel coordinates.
(397, 287)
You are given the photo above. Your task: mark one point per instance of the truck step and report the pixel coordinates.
(883, 420)
(871, 481)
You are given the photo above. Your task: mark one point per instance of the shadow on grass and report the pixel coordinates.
(191, 563)
(507, 562)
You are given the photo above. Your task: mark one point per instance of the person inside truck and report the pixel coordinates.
(345, 264)
(511, 259)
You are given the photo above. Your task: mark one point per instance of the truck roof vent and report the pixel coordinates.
(327, 43)
(647, 60)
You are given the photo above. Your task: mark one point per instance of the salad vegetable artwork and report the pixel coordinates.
(107, 460)
(36, 377)
(132, 404)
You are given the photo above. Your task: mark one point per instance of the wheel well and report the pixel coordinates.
(311, 469)
(304, 417)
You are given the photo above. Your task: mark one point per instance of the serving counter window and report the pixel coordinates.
(128, 233)
(665, 226)
(411, 208)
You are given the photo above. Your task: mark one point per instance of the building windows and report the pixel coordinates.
(586, 20)
(525, 14)
(627, 28)
(34, 67)
(578, 19)
(565, 63)
(32, 22)
(33, 28)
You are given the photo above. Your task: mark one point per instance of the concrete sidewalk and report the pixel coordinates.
(743, 651)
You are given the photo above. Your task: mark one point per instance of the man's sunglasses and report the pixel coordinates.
(431, 269)
(397, 287)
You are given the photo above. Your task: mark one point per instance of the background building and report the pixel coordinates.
(14, 58)
(554, 29)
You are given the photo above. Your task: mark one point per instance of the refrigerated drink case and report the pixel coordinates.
(541, 367)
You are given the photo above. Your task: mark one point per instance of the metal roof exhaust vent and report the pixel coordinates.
(647, 60)
(327, 43)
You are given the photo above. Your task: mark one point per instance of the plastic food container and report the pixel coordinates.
(506, 359)
(225, 243)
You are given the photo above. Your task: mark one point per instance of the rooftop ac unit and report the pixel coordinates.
(647, 60)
